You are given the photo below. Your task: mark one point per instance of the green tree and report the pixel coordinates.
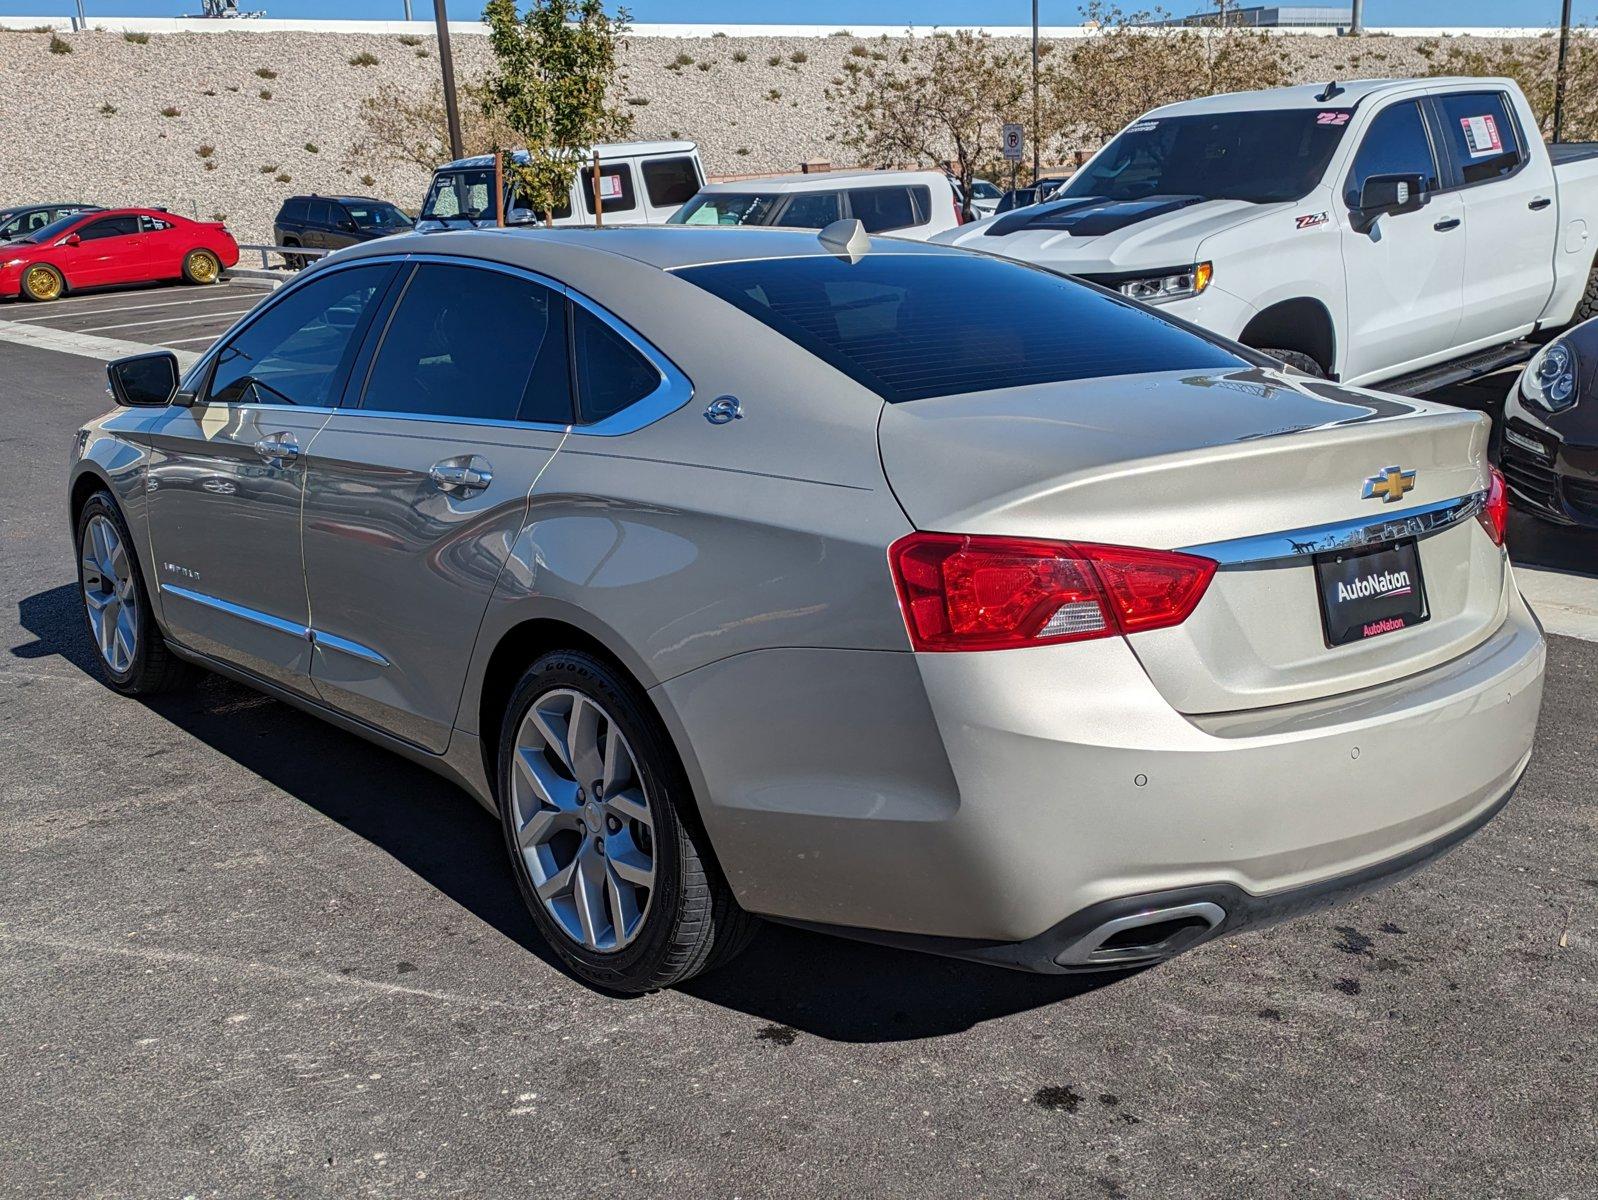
(936, 100)
(553, 69)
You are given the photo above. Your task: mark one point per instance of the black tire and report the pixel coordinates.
(692, 923)
(1587, 306)
(294, 262)
(153, 667)
(201, 267)
(1296, 359)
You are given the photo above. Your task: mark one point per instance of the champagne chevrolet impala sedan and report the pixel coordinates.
(889, 589)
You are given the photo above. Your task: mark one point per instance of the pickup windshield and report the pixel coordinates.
(460, 195)
(1261, 157)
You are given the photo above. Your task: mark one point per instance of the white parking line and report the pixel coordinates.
(217, 296)
(1566, 604)
(83, 344)
(188, 318)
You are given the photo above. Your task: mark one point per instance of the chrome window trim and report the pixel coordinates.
(1296, 545)
(674, 391)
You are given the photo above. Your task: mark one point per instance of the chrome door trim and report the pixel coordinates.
(1296, 544)
(253, 615)
(267, 620)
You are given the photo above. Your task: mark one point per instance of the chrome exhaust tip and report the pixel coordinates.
(1145, 937)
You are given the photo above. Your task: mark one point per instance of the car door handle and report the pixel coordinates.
(1445, 225)
(279, 447)
(1540, 203)
(461, 476)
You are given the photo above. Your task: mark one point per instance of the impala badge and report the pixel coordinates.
(1390, 484)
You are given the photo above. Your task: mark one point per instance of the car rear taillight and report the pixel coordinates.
(964, 592)
(1494, 515)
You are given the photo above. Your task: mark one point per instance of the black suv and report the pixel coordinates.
(25, 218)
(328, 222)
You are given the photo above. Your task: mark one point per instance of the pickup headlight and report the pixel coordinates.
(1549, 380)
(1170, 285)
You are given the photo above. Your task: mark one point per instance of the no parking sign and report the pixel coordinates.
(1014, 142)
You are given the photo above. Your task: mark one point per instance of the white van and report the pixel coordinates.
(907, 204)
(640, 183)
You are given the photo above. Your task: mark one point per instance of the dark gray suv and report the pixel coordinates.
(332, 222)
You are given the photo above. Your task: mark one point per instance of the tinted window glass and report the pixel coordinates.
(1483, 134)
(909, 326)
(295, 351)
(151, 225)
(467, 193)
(610, 374)
(1263, 157)
(615, 187)
(297, 211)
(726, 208)
(812, 210)
(109, 227)
(882, 209)
(670, 181)
(468, 343)
(321, 213)
(1395, 144)
(376, 215)
(50, 232)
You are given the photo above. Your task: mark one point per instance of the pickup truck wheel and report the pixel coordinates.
(201, 266)
(602, 837)
(1587, 306)
(1296, 359)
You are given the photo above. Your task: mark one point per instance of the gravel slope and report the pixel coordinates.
(748, 116)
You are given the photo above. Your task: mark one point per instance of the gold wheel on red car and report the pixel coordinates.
(201, 266)
(41, 283)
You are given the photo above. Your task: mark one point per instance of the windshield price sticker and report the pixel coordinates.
(1481, 135)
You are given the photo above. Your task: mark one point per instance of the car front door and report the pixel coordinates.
(1511, 218)
(1405, 273)
(227, 476)
(418, 487)
(104, 252)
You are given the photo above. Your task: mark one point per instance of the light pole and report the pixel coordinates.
(1036, 135)
(1357, 26)
(447, 62)
(407, 10)
(1559, 75)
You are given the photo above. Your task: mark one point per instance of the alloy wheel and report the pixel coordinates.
(110, 595)
(583, 820)
(41, 284)
(203, 268)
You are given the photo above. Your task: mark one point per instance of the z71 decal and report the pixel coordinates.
(1310, 220)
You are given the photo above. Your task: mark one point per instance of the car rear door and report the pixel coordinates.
(418, 487)
(226, 478)
(1405, 274)
(1511, 220)
(318, 225)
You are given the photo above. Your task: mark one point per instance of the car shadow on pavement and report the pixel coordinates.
(1549, 547)
(793, 979)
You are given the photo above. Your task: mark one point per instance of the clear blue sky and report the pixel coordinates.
(839, 12)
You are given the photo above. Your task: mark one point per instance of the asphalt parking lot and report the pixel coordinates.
(242, 953)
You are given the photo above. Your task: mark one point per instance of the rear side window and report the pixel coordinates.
(296, 351)
(670, 181)
(611, 374)
(466, 343)
(1483, 134)
(151, 225)
(1395, 144)
(812, 210)
(321, 213)
(615, 187)
(883, 209)
(911, 326)
(297, 211)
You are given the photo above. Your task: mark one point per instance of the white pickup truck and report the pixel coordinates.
(1408, 233)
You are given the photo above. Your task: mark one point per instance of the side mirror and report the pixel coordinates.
(521, 216)
(1400, 193)
(144, 380)
(71, 239)
(347, 225)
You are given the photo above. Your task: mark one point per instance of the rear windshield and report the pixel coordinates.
(912, 326)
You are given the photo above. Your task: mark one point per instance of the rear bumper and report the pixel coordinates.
(995, 798)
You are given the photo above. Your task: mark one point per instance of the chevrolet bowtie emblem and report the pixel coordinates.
(1390, 485)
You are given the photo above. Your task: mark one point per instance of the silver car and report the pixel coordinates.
(889, 589)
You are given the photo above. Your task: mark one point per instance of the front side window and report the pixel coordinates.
(726, 208)
(1262, 157)
(466, 343)
(611, 374)
(1483, 134)
(912, 326)
(296, 351)
(375, 215)
(812, 210)
(670, 181)
(615, 187)
(884, 209)
(1395, 144)
(108, 228)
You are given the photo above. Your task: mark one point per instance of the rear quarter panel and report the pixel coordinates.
(1576, 185)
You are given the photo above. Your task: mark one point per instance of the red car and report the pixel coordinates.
(119, 245)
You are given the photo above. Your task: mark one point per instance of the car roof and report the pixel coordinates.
(606, 150)
(340, 199)
(1309, 95)
(823, 181)
(78, 204)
